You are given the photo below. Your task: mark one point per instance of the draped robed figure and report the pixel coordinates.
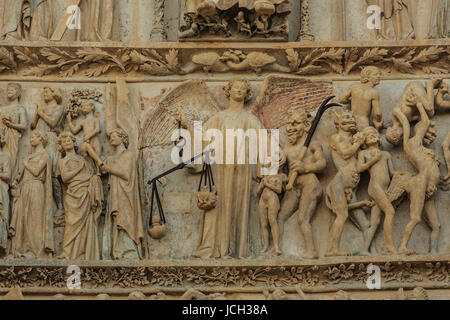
(33, 205)
(225, 233)
(123, 233)
(82, 203)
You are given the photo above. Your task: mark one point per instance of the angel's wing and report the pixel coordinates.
(197, 104)
(279, 94)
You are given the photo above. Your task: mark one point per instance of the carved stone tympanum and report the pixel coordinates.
(224, 149)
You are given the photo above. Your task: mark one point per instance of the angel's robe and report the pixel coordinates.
(234, 185)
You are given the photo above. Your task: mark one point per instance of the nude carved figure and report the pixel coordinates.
(306, 182)
(364, 99)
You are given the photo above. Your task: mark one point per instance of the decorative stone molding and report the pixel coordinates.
(316, 275)
(70, 60)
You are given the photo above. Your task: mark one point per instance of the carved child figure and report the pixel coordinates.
(307, 190)
(379, 164)
(364, 99)
(269, 205)
(340, 192)
(91, 129)
(423, 186)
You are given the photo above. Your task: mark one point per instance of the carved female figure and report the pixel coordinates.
(82, 203)
(123, 234)
(14, 122)
(33, 208)
(379, 164)
(5, 177)
(48, 118)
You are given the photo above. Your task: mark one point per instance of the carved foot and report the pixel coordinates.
(278, 252)
(406, 251)
(389, 251)
(364, 253)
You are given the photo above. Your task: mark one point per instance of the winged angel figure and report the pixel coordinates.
(226, 235)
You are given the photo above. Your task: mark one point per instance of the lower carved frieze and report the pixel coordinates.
(324, 275)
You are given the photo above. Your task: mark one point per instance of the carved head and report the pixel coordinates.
(50, 94)
(239, 90)
(119, 136)
(13, 91)
(372, 136)
(371, 74)
(345, 120)
(416, 93)
(38, 137)
(431, 134)
(87, 107)
(394, 135)
(299, 123)
(67, 142)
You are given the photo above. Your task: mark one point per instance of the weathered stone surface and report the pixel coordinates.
(108, 114)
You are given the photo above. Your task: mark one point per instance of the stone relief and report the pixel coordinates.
(222, 20)
(236, 19)
(86, 127)
(37, 20)
(103, 61)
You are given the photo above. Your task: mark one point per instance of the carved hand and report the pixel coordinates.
(105, 168)
(298, 166)
(358, 138)
(378, 124)
(7, 122)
